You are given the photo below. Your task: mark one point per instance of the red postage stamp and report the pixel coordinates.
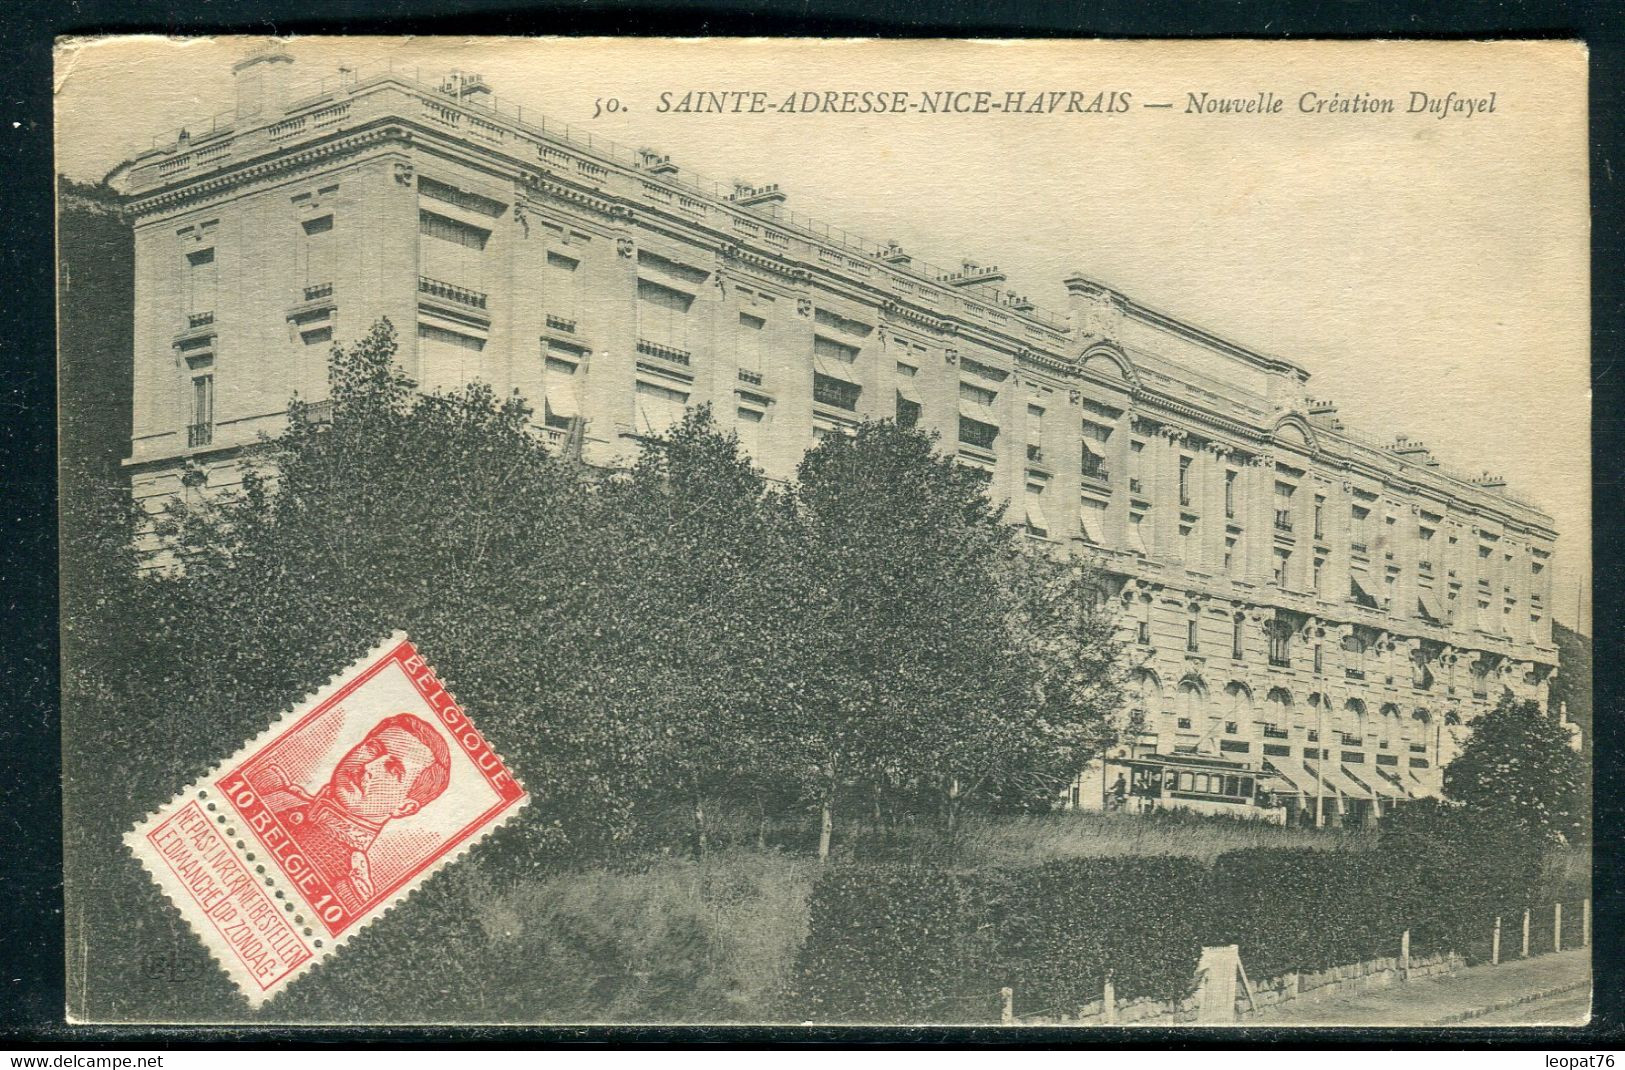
(326, 820)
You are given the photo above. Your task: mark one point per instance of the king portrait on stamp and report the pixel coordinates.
(400, 767)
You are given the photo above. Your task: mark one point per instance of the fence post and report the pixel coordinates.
(1585, 923)
(1108, 1002)
(1525, 932)
(1405, 953)
(1557, 926)
(1216, 974)
(1007, 1006)
(1495, 943)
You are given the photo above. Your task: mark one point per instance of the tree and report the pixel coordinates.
(927, 657)
(1518, 766)
(697, 607)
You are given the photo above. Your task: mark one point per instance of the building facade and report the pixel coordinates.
(1311, 613)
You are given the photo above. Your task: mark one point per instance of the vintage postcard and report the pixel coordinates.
(1042, 533)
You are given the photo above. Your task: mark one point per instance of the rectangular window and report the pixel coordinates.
(1229, 553)
(1283, 506)
(1282, 557)
(451, 252)
(201, 430)
(977, 395)
(562, 393)
(663, 321)
(447, 360)
(1184, 481)
(1359, 529)
(316, 255)
(1230, 493)
(1315, 578)
(976, 433)
(749, 429)
(1192, 637)
(562, 292)
(836, 393)
(1235, 638)
(1142, 632)
(1136, 532)
(1093, 521)
(1280, 643)
(1319, 666)
(908, 412)
(657, 408)
(1037, 523)
(1320, 510)
(200, 283)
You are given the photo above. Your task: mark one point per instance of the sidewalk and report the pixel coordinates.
(1457, 1000)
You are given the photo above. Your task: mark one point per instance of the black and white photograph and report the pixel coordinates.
(1057, 534)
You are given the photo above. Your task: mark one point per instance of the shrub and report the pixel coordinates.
(1063, 927)
(1300, 909)
(895, 944)
(926, 944)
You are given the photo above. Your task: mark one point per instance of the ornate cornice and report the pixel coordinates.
(275, 164)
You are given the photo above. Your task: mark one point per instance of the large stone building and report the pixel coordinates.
(1292, 592)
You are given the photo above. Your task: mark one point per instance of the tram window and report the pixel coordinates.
(1232, 786)
(1187, 781)
(1247, 785)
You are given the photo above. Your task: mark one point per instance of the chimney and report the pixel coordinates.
(1094, 307)
(263, 81)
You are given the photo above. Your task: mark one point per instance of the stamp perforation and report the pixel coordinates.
(248, 849)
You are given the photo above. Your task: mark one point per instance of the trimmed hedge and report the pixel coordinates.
(924, 944)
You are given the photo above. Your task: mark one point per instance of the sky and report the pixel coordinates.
(1430, 270)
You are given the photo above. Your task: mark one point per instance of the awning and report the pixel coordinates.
(1035, 514)
(1345, 786)
(976, 410)
(1294, 774)
(1429, 606)
(1333, 782)
(908, 390)
(1400, 789)
(1373, 784)
(834, 368)
(560, 388)
(1358, 592)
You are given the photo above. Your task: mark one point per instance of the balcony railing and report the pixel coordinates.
(1480, 694)
(1184, 496)
(1424, 566)
(1358, 547)
(319, 412)
(447, 291)
(559, 323)
(1419, 748)
(1274, 732)
(753, 378)
(1035, 453)
(1134, 485)
(199, 319)
(199, 434)
(319, 291)
(1281, 661)
(1354, 674)
(664, 352)
(1350, 739)
(1097, 472)
(1283, 520)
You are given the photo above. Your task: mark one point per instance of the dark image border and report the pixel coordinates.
(32, 954)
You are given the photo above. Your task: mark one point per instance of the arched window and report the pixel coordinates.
(1353, 722)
